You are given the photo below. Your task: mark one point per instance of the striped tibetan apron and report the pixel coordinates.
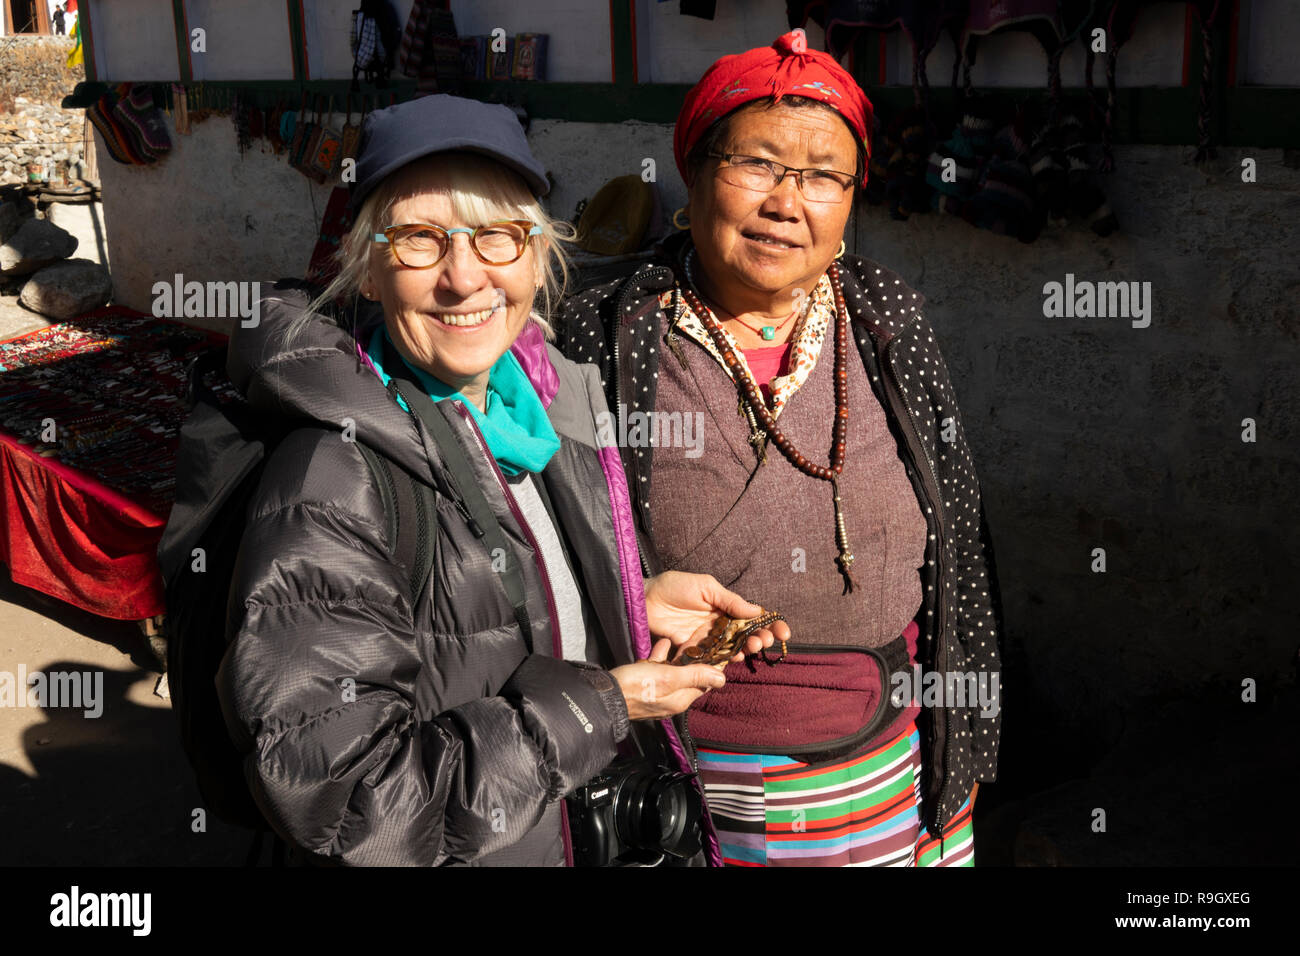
(772, 810)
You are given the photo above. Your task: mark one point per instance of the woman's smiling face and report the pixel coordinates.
(754, 243)
(456, 318)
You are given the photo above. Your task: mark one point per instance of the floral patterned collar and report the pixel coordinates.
(806, 339)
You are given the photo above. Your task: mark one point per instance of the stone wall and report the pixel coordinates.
(34, 131)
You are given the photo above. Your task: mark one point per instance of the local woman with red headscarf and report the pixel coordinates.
(828, 479)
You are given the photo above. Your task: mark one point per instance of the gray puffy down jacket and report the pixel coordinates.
(381, 733)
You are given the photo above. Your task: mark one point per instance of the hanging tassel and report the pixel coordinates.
(757, 436)
(1204, 150)
(845, 559)
(1107, 164)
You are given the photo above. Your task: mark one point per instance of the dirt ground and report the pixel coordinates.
(111, 790)
(1189, 784)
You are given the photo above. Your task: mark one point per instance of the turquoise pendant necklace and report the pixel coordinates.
(768, 332)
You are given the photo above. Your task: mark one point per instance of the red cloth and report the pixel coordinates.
(767, 363)
(806, 699)
(334, 225)
(68, 535)
(73, 538)
(786, 68)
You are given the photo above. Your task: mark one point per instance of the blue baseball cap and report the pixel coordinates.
(398, 134)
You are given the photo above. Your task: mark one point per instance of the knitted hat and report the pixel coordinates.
(119, 142)
(256, 121)
(907, 141)
(1045, 158)
(1004, 202)
(141, 120)
(968, 148)
(874, 190)
(1086, 197)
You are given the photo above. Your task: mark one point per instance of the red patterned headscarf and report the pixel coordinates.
(786, 68)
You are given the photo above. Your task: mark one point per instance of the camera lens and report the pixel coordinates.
(659, 811)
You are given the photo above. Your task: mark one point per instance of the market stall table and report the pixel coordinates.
(84, 511)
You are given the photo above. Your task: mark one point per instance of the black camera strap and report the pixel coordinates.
(460, 474)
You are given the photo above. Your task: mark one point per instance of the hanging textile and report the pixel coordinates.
(431, 48)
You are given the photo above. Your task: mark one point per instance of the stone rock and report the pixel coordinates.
(36, 244)
(67, 289)
(83, 219)
(9, 221)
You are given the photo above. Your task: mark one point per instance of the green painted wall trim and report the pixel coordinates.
(585, 102)
(87, 43)
(623, 46)
(182, 41)
(1267, 117)
(298, 46)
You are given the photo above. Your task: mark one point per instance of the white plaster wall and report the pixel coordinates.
(135, 40)
(582, 156)
(207, 213)
(246, 40)
(1270, 34)
(161, 219)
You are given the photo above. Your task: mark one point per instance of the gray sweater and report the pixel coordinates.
(773, 539)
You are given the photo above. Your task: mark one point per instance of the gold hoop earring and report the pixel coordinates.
(840, 254)
(677, 223)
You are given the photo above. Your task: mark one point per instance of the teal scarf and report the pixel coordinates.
(517, 430)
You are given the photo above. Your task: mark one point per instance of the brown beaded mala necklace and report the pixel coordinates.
(756, 407)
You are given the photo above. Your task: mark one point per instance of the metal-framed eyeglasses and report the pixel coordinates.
(422, 245)
(763, 175)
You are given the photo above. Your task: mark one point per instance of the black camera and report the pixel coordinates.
(635, 813)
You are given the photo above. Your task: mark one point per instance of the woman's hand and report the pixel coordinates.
(653, 689)
(682, 607)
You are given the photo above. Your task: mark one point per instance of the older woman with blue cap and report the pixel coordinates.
(449, 727)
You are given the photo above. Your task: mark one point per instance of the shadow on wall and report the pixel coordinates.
(1168, 450)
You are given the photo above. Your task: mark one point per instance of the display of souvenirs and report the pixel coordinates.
(473, 57)
(499, 63)
(530, 56)
(114, 386)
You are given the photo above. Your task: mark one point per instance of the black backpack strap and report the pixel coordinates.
(411, 512)
(473, 503)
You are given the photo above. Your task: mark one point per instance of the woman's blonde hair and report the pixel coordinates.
(481, 190)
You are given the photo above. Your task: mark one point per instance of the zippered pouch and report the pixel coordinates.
(820, 701)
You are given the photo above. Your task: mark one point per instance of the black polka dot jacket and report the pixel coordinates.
(961, 624)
